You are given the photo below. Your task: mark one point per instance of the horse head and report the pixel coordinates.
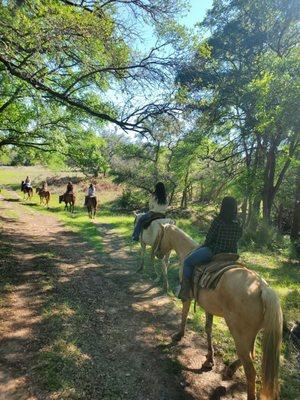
(60, 198)
(137, 215)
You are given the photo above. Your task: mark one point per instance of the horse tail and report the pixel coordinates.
(271, 342)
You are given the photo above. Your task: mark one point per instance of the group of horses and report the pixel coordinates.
(241, 297)
(68, 198)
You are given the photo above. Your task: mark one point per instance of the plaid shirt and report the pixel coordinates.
(222, 237)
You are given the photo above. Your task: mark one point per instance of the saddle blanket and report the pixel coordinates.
(152, 217)
(207, 276)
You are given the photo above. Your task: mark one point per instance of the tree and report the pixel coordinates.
(87, 154)
(243, 81)
(71, 53)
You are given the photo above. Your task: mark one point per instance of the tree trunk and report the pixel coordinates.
(183, 204)
(295, 230)
(254, 211)
(244, 210)
(268, 189)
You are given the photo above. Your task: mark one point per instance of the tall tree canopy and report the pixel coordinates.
(81, 57)
(243, 79)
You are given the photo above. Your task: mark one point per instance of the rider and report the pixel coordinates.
(44, 186)
(91, 192)
(157, 204)
(70, 187)
(222, 237)
(27, 182)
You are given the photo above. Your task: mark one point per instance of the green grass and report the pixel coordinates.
(278, 270)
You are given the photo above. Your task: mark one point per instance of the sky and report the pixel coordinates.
(197, 11)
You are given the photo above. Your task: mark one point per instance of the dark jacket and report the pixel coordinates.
(223, 237)
(69, 188)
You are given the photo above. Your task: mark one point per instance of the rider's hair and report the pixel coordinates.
(160, 193)
(228, 212)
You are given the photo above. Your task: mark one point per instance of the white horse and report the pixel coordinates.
(246, 303)
(148, 237)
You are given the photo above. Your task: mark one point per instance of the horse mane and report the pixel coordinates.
(186, 236)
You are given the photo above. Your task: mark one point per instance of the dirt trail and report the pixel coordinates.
(116, 325)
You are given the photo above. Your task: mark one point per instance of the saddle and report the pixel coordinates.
(153, 217)
(207, 276)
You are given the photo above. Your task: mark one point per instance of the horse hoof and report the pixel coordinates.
(228, 374)
(177, 337)
(207, 365)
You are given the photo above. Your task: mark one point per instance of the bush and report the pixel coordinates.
(264, 237)
(131, 200)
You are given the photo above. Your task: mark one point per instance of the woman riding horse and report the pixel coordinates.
(157, 205)
(91, 200)
(222, 237)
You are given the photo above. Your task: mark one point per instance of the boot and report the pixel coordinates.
(186, 289)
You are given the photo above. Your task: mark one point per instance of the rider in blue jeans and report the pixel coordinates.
(157, 204)
(222, 237)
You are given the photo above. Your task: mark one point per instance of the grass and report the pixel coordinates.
(278, 270)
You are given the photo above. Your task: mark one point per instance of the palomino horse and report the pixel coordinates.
(69, 199)
(91, 205)
(27, 191)
(44, 196)
(246, 303)
(148, 238)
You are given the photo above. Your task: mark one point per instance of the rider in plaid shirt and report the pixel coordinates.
(222, 237)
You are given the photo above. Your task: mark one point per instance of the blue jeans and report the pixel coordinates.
(196, 257)
(138, 227)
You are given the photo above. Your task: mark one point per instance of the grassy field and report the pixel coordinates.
(282, 273)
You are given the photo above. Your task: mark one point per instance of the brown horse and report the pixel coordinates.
(27, 191)
(69, 199)
(91, 205)
(246, 303)
(44, 196)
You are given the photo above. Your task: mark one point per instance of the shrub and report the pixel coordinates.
(131, 200)
(265, 236)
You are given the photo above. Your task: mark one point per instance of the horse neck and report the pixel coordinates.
(181, 243)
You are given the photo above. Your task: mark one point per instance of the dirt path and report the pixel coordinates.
(80, 325)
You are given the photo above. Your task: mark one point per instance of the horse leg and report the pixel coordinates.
(209, 362)
(244, 347)
(184, 314)
(142, 257)
(153, 263)
(164, 266)
(231, 369)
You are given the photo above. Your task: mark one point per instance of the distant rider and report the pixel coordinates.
(70, 187)
(44, 186)
(27, 182)
(91, 192)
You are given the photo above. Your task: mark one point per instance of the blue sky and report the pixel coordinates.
(197, 11)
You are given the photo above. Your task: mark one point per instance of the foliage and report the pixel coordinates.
(86, 153)
(62, 57)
